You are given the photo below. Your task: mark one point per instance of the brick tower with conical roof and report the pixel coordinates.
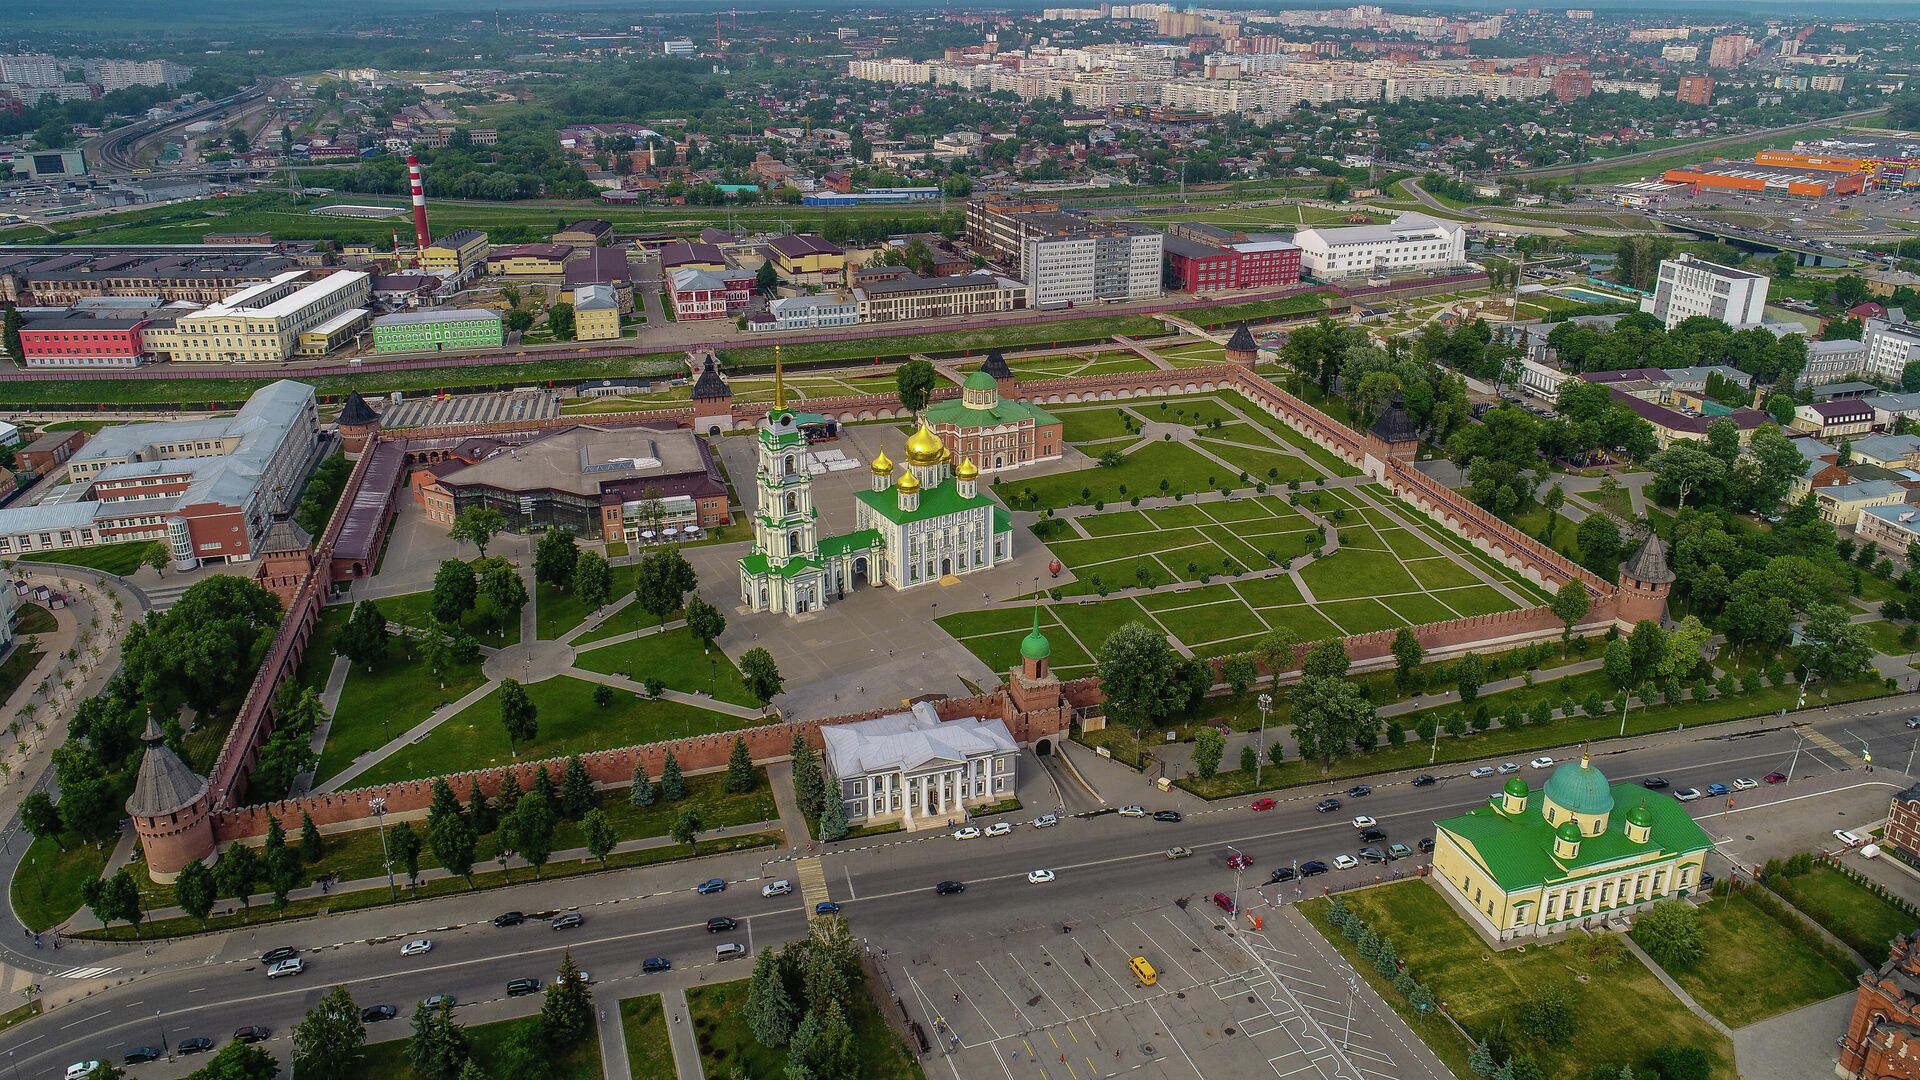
(1645, 581)
(171, 807)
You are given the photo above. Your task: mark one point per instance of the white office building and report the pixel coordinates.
(915, 767)
(1411, 242)
(1891, 343)
(1688, 286)
(1081, 267)
(807, 312)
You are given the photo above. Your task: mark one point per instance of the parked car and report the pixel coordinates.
(254, 1033)
(1745, 783)
(1481, 772)
(776, 888)
(1654, 783)
(1312, 868)
(1177, 852)
(999, 828)
(1345, 862)
(287, 967)
(569, 920)
(1373, 855)
(1508, 767)
(374, 1014)
(1372, 836)
(1364, 822)
(971, 832)
(720, 924)
(1399, 851)
(1775, 778)
(1687, 794)
(948, 888)
(1541, 762)
(1424, 779)
(732, 950)
(1239, 862)
(416, 947)
(1284, 873)
(653, 965)
(1359, 791)
(1039, 877)
(712, 885)
(1850, 839)
(1425, 845)
(1166, 815)
(433, 1001)
(826, 907)
(1327, 806)
(1133, 811)
(274, 956)
(1223, 902)
(1913, 721)
(515, 918)
(1046, 821)
(199, 1044)
(80, 1069)
(522, 987)
(1264, 804)
(1719, 789)
(140, 1055)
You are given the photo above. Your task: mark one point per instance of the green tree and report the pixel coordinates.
(705, 622)
(518, 714)
(404, 843)
(1784, 265)
(477, 525)
(10, 336)
(566, 1013)
(41, 818)
(528, 831)
(1407, 655)
(237, 873)
(1832, 646)
(761, 676)
(673, 785)
(1599, 540)
(1571, 602)
(439, 1045)
(770, 1011)
(661, 582)
(1553, 500)
(833, 810)
(1670, 931)
(554, 558)
(1275, 648)
(502, 588)
(1468, 673)
(766, 279)
(1331, 715)
(740, 777)
(593, 580)
(311, 847)
(454, 844)
(914, 381)
(1548, 1014)
(281, 863)
(519, 320)
(1140, 675)
(155, 557)
(331, 1040)
(1327, 659)
(453, 592)
(809, 789)
(560, 322)
(1239, 672)
(1208, 747)
(238, 1061)
(641, 794)
(194, 890)
(686, 827)
(576, 790)
(599, 834)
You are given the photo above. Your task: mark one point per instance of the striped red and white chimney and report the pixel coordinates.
(421, 237)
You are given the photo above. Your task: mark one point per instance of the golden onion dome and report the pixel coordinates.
(908, 482)
(967, 470)
(924, 447)
(882, 465)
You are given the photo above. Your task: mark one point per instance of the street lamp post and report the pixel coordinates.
(378, 806)
(1265, 702)
(1346, 1040)
(1238, 872)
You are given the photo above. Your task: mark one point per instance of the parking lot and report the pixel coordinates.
(1059, 1000)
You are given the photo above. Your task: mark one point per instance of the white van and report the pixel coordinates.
(782, 887)
(729, 951)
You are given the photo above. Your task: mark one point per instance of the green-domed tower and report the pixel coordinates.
(1578, 792)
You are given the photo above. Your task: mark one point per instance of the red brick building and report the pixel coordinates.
(51, 450)
(73, 338)
(1883, 1035)
(1199, 267)
(1572, 84)
(1696, 90)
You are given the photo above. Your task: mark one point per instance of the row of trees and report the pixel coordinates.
(1640, 340)
(798, 1000)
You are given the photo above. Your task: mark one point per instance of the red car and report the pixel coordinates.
(1264, 804)
(1775, 778)
(1223, 902)
(1239, 862)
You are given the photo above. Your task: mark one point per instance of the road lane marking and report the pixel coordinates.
(813, 881)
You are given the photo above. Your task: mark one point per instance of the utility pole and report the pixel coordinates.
(1265, 702)
(378, 807)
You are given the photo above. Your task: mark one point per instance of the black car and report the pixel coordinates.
(1426, 845)
(373, 1014)
(1706, 880)
(1312, 867)
(511, 918)
(1166, 815)
(1359, 791)
(653, 965)
(1285, 873)
(252, 1033)
(1327, 806)
(523, 987)
(1372, 854)
(140, 1055)
(1424, 779)
(948, 888)
(568, 921)
(199, 1044)
(274, 956)
(720, 925)
(1372, 836)
(1654, 783)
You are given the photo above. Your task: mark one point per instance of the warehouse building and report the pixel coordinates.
(442, 330)
(596, 313)
(529, 260)
(460, 255)
(1410, 243)
(913, 297)
(1803, 183)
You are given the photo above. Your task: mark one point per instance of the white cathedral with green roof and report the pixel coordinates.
(931, 524)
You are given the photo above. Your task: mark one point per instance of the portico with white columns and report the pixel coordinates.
(917, 768)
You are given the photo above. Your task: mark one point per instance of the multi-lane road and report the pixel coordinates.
(210, 986)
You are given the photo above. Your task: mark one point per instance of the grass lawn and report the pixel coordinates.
(1884, 636)
(1092, 425)
(1622, 1012)
(727, 1047)
(15, 668)
(945, 343)
(46, 888)
(569, 723)
(557, 611)
(388, 1060)
(1754, 967)
(1302, 306)
(1848, 909)
(644, 1022)
(122, 559)
(416, 610)
(1182, 471)
(675, 658)
(381, 704)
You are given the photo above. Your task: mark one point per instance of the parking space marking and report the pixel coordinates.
(1165, 953)
(1030, 977)
(965, 998)
(1017, 1011)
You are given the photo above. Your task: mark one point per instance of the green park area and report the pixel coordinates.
(644, 1024)
(1857, 913)
(729, 1047)
(673, 657)
(488, 1046)
(1754, 958)
(1569, 1005)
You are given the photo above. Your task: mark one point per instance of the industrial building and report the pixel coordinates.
(1687, 287)
(1197, 265)
(807, 312)
(1411, 242)
(910, 296)
(461, 255)
(1806, 183)
(57, 280)
(529, 260)
(1887, 160)
(106, 332)
(804, 255)
(440, 330)
(261, 324)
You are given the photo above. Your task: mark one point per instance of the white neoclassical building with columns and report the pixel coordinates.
(920, 769)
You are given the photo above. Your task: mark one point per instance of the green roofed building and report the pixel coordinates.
(1575, 853)
(995, 433)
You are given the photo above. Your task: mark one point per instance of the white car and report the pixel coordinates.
(287, 967)
(1850, 839)
(80, 1069)
(1345, 862)
(1687, 794)
(968, 833)
(1508, 767)
(1364, 822)
(1133, 811)
(1039, 877)
(416, 947)
(1541, 762)
(1745, 783)
(999, 828)
(1481, 772)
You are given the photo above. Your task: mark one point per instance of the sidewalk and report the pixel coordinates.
(686, 1055)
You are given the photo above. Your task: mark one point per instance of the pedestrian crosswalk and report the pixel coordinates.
(1823, 742)
(813, 881)
(85, 972)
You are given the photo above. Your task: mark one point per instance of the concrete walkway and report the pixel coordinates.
(780, 776)
(686, 1055)
(1675, 988)
(343, 780)
(613, 1040)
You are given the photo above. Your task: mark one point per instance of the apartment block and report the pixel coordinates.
(1688, 286)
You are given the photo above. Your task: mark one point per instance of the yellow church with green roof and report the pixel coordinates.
(1538, 862)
